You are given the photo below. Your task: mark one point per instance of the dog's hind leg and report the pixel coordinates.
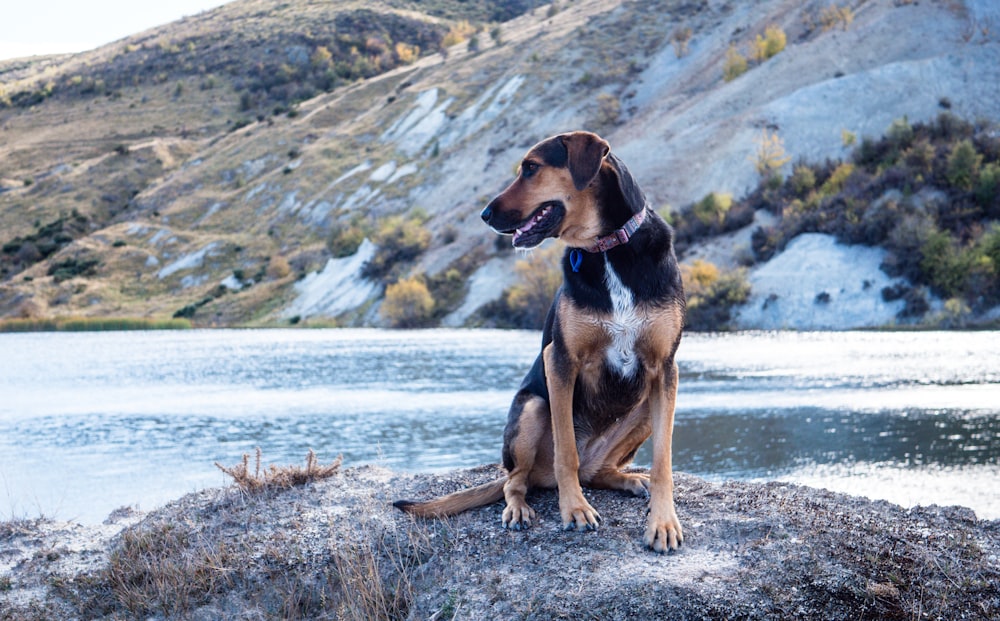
(617, 449)
(527, 450)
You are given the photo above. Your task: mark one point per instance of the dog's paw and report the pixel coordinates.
(664, 533)
(577, 514)
(517, 516)
(638, 484)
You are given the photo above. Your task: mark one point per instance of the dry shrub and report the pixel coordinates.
(278, 477)
(769, 45)
(278, 268)
(458, 33)
(408, 303)
(770, 155)
(375, 573)
(734, 65)
(167, 568)
(711, 294)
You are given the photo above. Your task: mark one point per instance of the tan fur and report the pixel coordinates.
(544, 446)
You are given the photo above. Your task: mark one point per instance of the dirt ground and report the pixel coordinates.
(337, 549)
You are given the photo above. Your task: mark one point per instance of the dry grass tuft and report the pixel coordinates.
(278, 477)
(376, 572)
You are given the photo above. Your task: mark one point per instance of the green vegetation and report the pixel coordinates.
(21, 253)
(766, 47)
(91, 324)
(711, 295)
(73, 267)
(734, 65)
(713, 208)
(400, 239)
(345, 238)
(770, 156)
(762, 48)
(926, 192)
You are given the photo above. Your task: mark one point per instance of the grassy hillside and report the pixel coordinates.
(225, 168)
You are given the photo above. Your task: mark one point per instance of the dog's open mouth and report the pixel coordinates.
(541, 224)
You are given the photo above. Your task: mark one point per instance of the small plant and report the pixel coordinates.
(399, 240)
(278, 268)
(848, 138)
(734, 65)
(497, 35)
(406, 53)
(408, 303)
(837, 179)
(680, 39)
(711, 295)
(987, 190)
(833, 15)
(766, 47)
(802, 181)
(608, 109)
(713, 207)
(963, 165)
(344, 239)
(458, 33)
(262, 480)
(770, 155)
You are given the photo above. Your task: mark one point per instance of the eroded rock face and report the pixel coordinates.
(337, 549)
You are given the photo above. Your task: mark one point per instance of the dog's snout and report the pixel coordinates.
(487, 213)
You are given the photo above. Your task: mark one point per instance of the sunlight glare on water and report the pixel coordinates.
(93, 421)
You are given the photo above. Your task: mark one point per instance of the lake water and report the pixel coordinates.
(90, 422)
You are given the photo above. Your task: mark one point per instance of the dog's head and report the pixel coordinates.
(568, 186)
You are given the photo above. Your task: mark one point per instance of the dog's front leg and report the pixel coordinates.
(663, 529)
(560, 377)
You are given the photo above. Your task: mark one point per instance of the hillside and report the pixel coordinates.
(227, 167)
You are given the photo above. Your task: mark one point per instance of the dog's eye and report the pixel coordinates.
(528, 169)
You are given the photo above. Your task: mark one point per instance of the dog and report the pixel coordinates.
(605, 379)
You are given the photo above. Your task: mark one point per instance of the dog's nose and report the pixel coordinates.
(487, 213)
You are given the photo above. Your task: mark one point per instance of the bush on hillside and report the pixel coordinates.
(769, 45)
(407, 304)
(399, 240)
(734, 65)
(926, 192)
(711, 295)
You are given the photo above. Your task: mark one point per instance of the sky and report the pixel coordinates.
(30, 27)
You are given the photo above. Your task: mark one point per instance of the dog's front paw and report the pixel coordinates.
(518, 515)
(664, 533)
(578, 514)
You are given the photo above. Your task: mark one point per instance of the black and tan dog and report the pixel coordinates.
(605, 379)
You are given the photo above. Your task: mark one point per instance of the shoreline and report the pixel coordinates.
(335, 548)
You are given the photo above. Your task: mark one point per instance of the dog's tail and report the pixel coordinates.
(456, 502)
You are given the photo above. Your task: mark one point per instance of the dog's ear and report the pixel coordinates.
(584, 153)
(632, 194)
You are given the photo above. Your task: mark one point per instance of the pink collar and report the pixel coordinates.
(621, 236)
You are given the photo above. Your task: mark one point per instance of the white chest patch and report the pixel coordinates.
(623, 327)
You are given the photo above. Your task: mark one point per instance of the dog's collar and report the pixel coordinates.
(621, 236)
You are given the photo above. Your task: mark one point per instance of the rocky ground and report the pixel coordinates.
(337, 549)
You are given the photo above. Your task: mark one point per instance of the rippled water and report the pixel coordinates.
(93, 421)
